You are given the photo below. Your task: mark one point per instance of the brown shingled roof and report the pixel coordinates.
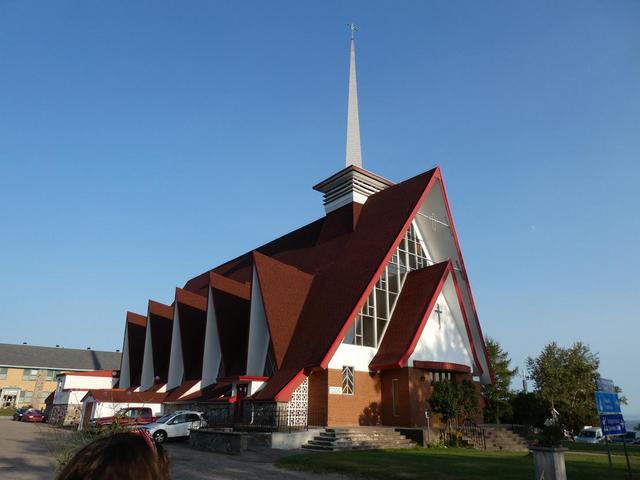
(284, 290)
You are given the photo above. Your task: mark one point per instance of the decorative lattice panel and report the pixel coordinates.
(298, 406)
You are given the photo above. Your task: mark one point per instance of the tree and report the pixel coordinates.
(565, 377)
(454, 400)
(529, 408)
(498, 394)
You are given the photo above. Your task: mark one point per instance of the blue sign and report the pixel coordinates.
(607, 402)
(605, 385)
(612, 424)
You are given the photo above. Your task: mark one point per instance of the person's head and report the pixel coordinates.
(122, 456)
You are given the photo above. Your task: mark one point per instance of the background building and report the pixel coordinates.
(28, 373)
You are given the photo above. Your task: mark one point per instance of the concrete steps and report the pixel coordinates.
(357, 438)
(501, 438)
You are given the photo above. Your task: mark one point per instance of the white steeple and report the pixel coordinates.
(354, 151)
(352, 184)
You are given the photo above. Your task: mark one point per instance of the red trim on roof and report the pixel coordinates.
(94, 373)
(442, 366)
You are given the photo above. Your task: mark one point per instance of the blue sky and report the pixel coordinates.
(143, 144)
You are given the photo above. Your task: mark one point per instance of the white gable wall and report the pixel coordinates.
(445, 341)
(125, 373)
(148, 376)
(357, 356)
(212, 350)
(176, 362)
(258, 332)
(441, 244)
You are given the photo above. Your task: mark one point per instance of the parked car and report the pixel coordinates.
(590, 435)
(629, 438)
(176, 424)
(17, 416)
(126, 417)
(32, 415)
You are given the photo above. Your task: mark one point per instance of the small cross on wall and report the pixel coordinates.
(439, 311)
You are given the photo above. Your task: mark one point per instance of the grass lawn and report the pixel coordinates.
(616, 448)
(449, 464)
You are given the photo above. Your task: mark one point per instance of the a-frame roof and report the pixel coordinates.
(338, 291)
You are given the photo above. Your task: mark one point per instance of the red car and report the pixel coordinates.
(126, 417)
(33, 415)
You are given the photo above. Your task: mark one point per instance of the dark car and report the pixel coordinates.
(33, 415)
(18, 415)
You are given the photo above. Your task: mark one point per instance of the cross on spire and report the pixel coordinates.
(353, 27)
(354, 150)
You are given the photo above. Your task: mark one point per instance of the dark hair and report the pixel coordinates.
(122, 456)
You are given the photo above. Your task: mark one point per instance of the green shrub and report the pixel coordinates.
(7, 411)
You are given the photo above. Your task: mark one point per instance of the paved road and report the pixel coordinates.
(27, 452)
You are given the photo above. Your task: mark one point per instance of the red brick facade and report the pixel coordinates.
(372, 401)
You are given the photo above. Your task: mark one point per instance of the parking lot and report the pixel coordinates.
(27, 452)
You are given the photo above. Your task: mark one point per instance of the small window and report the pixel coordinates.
(348, 380)
(3, 373)
(395, 396)
(29, 374)
(193, 417)
(25, 397)
(51, 375)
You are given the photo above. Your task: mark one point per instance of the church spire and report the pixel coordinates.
(354, 152)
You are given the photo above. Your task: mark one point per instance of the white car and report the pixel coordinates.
(175, 424)
(590, 435)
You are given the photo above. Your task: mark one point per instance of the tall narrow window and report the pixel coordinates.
(395, 396)
(371, 322)
(348, 380)
(3, 373)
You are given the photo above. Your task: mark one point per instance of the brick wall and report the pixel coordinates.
(361, 408)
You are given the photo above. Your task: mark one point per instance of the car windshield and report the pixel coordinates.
(165, 419)
(588, 433)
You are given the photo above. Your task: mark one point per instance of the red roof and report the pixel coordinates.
(120, 395)
(313, 281)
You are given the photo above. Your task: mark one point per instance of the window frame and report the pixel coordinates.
(348, 380)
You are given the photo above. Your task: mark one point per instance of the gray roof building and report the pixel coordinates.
(31, 356)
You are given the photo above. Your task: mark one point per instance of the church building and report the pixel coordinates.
(356, 314)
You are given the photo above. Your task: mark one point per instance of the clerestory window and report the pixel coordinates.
(371, 323)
